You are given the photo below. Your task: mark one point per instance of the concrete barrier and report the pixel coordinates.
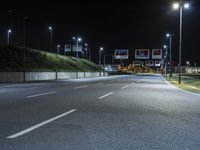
(43, 76)
(40, 76)
(66, 75)
(92, 74)
(11, 76)
(80, 74)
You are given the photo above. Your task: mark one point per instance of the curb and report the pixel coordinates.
(188, 92)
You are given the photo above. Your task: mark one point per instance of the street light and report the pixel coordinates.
(58, 49)
(170, 51)
(180, 7)
(176, 6)
(86, 50)
(78, 40)
(100, 50)
(166, 58)
(8, 36)
(186, 5)
(51, 30)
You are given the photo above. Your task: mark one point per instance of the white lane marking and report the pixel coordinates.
(19, 85)
(106, 95)
(124, 87)
(9, 86)
(42, 94)
(40, 124)
(80, 87)
(133, 83)
(173, 86)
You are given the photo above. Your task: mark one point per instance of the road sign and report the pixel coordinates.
(142, 54)
(121, 54)
(77, 48)
(67, 48)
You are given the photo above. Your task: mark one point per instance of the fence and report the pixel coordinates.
(42, 76)
(188, 70)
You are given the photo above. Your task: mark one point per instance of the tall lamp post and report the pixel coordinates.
(78, 39)
(8, 36)
(86, 50)
(51, 31)
(58, 49)
(100, 50)
(166, 59)
(180, 6)
(170, 51)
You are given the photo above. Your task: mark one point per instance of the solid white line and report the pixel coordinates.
(42, 94)
(124, 87)
(184, 91)
(40, 124)
(80, 87)
(8, 86)
(106, 95)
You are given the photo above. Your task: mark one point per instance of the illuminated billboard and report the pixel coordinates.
(138, 63)
(157, 63)
(149, 63)
(142, 54)
(156, 53)
(121, 54)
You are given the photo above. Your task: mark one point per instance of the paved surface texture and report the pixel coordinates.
(113, 113)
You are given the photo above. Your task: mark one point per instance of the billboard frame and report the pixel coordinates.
(140, 57)
(121, 57)
(156, 56)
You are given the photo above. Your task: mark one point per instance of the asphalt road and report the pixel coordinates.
(132, 112)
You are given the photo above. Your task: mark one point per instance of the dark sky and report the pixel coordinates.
(114, 25)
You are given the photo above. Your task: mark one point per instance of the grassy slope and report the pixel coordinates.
(11, 59)
(189, 82)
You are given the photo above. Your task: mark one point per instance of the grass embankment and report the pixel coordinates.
(189, 82)
(11, 59)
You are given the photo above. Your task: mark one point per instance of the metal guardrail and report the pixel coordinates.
(42, 76)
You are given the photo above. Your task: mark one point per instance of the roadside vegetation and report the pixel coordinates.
(11, 59)
(189, 82)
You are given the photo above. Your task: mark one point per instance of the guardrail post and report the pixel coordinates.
(56, 75)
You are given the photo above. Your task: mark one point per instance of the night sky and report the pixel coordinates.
(114, 25)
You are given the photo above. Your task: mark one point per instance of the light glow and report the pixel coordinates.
(50, 28)
(186, 5)
(79, 39)
(176, 6)
(167, 35)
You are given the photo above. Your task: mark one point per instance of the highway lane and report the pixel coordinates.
(127, 112)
